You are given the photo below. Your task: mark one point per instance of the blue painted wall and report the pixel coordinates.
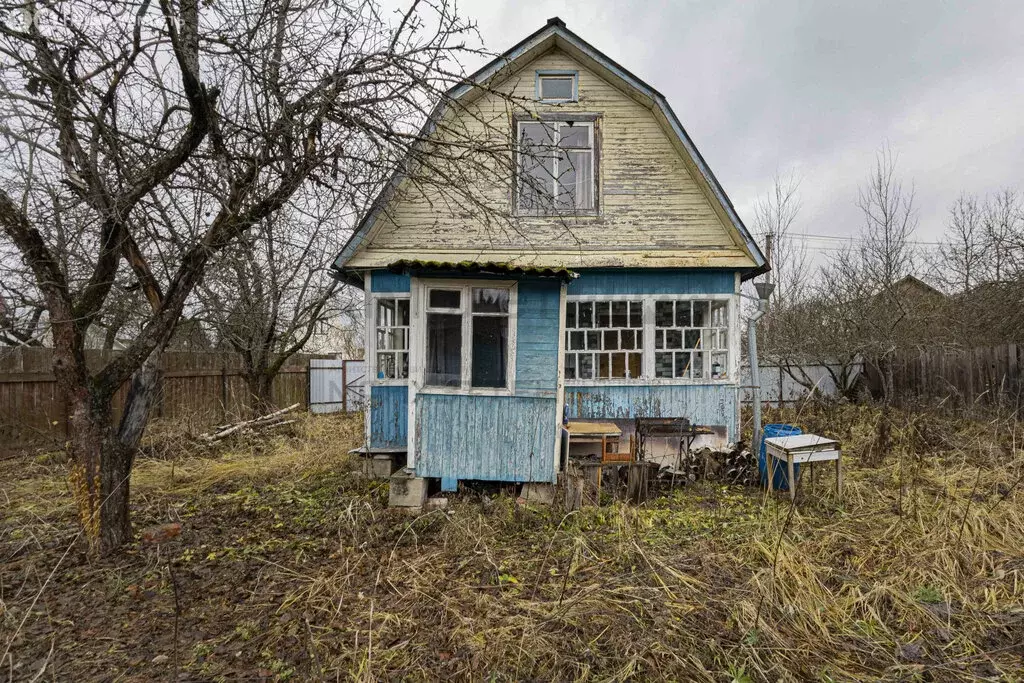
(384, 281)
(704, 404)
(389, 416)
(537, 338)
(653, 281)
(496, 438)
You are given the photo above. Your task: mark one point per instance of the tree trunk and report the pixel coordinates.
(102, 456)
(260, 385)
(101, 467)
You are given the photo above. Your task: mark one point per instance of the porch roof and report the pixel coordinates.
(413, 266)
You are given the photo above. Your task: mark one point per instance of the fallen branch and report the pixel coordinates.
(270, 420)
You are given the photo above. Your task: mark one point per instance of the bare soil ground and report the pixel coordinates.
(290, 567)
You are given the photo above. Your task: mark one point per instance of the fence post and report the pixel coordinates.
(224, 390)
(344, 386)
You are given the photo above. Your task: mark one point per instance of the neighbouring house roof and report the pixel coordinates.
(556, 34)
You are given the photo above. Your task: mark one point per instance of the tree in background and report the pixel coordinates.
(272, 290)
(148, 138)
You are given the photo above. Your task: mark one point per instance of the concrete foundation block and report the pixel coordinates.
(407, 490)
(382, 466)
(540, 493)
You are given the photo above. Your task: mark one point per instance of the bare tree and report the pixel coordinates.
(170, 130)
(1003, 220)
(774, 216)
(272, 290)
(886, 253)
(963, 257)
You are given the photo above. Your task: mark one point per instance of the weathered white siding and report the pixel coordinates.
(653, 211)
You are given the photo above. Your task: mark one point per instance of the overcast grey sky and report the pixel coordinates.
(817, 87)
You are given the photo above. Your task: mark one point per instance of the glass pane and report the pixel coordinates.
(722, 339)
(556, 87)
(403, 365)
(573, 135)
(536, 134)
(570, 314)
(639, 339)
(700, 313)
(594, 340)
(628, 339)
(683, 318)
(567, 173)
(570, 366)
(659, 339)
(602, 314)
(697, 369)
(403, 312)
(576, 340)
(575, 181)
(673, 339)
(720, 313)
(719, 366)
(490, 350)
(620, 314)
(611, 340)
(586, 314)
(663, 365)
(682, 365)
(444, 350)
(586, 366)
(636, 314)
(692, 339)
(602, 365)
(618, 365)
(486, 300)
(385, 366)
(635, 365)
(385, 312)
(663, 314)
(445, 298)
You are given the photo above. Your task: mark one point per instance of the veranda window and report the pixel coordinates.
(686, 339)
(603, 339)
(467, 336)
(691, 339)
(556, 167)
(392, 322)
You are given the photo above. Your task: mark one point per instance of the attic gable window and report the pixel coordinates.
(556, 167)
(555, 86)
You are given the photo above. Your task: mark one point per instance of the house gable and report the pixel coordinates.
(658, 204)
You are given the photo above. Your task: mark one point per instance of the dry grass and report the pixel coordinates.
(917, 572)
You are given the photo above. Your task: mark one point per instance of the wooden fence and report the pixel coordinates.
(987, 375)
(202, 388)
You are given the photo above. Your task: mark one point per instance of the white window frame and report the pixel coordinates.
(555, 211)
(602, 331)
(418, 366)
(371, 338)
(647, 377)
(545, 74)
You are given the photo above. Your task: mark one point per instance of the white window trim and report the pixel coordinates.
(648, 378)
(371, 338)
(592, 210)
(418, 312)
(541, 75)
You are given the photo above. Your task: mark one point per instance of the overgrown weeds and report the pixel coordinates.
(290, 566)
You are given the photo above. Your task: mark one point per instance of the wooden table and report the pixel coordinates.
(593, 432)
(799, 450)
